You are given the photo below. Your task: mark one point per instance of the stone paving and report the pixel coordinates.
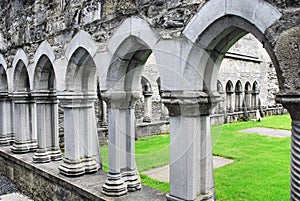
(162, 173)
(267, 132)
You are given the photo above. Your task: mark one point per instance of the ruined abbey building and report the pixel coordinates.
(70, 54)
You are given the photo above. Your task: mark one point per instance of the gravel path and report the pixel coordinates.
(7, 186)
(9, 191)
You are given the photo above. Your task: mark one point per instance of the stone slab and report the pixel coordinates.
(14, 196)
(267, 132)
(163, 173)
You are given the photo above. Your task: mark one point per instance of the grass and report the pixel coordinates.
(261, 164)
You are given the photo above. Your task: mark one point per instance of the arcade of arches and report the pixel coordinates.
(73, 53)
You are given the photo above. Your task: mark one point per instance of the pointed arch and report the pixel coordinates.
(3, 75)
(128, 50)
(44, 75)
(218, 25)
(220, 86)
(257, 12)
(238, 96)
(238, 86)
(229, 87)
(21, 81)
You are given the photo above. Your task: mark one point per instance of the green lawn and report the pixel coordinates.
(261, 164)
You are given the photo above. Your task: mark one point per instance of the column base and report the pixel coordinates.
(41, 156)
(114, 185)
(72, 168)
(5, 140)
(55, 154)
(20, 147)
(206, 197)
(90, 165)
(132, 180)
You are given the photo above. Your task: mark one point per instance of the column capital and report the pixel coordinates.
(190, 103)
(292, 103)
(120, 99)
(76, 99)
(44, 96)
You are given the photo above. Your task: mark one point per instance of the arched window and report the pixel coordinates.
(248, 95)
(238, 96)
(229, 96)
(255, 94)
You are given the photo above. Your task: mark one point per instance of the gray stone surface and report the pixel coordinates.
(267, 132)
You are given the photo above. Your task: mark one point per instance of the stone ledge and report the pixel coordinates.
(43, 181)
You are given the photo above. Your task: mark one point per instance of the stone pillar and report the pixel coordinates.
(147, 106)
(103, 113)
(24, 123)
(230, 101)
(82, 154)
(248, 100)
(47, 127)
(122, 176)
(238, 101)
(6, 132)
(292, 104)
(191, 173)
(255, 99)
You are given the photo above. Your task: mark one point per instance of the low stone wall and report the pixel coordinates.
(238, 116)
(43, 181)
(142, 130)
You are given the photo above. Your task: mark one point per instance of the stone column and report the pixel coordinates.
(191, 173)
(6, 132)
(47, 127)
(103, 112)
(25, 123)
(82, 154)
(248, 100)
(238, 101)
(255, 99)
(147, 106)
(122, 176)
(292, 104)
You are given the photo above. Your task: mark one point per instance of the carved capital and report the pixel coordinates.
(120, 99)
(77, 100)
(292, 103)
(190, 103)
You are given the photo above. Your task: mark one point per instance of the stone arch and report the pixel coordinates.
(81, 74)
(81, 66)
(238, 96)
(6, 117)
(24, 107)
(20, 73)
(128, 50)
(229, 96)
(220, 86)
(3, 75)
(248, 91)
(146, 85)
(81, 139)
(44, 94)
(220, 105)
(130, 46)
(44, 77)
(216, 30)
